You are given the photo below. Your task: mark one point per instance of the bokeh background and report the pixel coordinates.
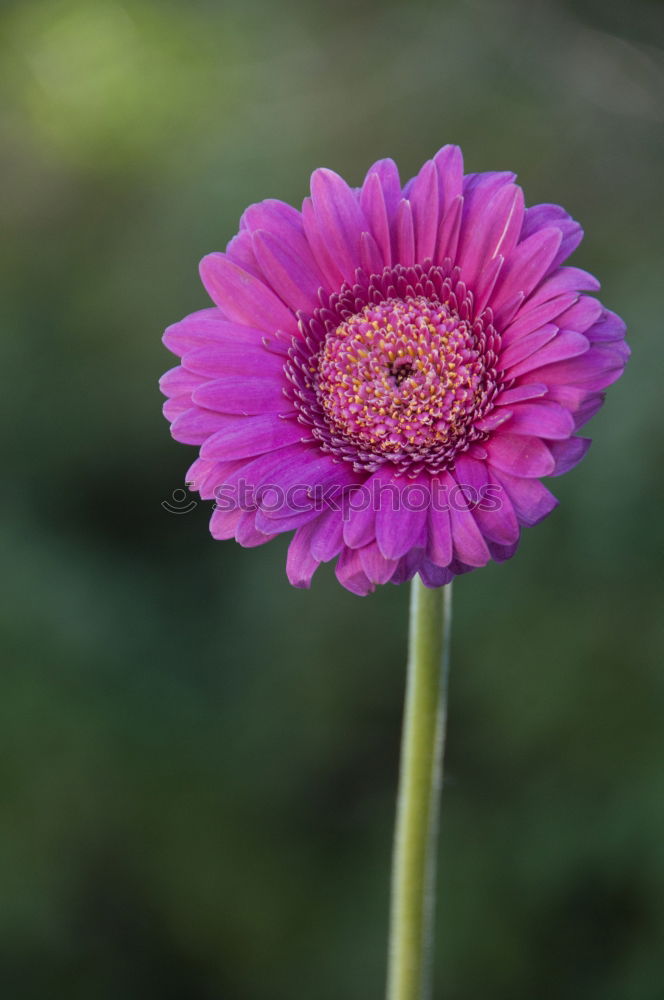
(198, 763)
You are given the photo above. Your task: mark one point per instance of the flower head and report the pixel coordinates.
(391, 371)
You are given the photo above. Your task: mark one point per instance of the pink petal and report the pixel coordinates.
(195, 425)
(233, 359)
(449, 231)
(541, 419)
(522, 348)
(405, 234)
(520, 392)
(399, 530)
(247, 395)
(594, 370)
(245, 437)
(340, 219)
(223, 523)
(469, 544)
(294, 278)
(377, 568)
(526, 265)
(370, 256)
(449, 167)
(439, 548)
(531, 500)
(178, 381)
(372, 203)
(300, 563)
(490, 227)
(243, 297)
(350, 574)
(423, 198)
(569, 453)
(531, 318)
(241, 252)
(566, 344)
(520, 456)
(494, 515)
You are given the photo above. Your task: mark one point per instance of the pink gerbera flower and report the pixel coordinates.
(391, 371)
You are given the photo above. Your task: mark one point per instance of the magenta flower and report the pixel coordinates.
(391, 372)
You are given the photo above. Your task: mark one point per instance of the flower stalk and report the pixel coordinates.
(420, 778)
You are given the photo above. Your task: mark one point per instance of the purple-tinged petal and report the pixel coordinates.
(372, 203)
(565, 279)
(572, 234)
(195, 425)
(449, 166)
(350, 574)
(569, 453)
(175, 406)
(439, 547)
(233, 359)
(501, 553)
(522, 348)
(324, 259)
(223, 523)
(300, 563)
(434, 576)
(398, 530)
(542, 216)
(248, 534)
(388, 174)
(485, 284)
(504, 315)
(494, 515)
(595, 370)
(241, 252)
(526, 265)
(327, 536)
(469, 544)
(520, 456)
(405, 234)
(491, 226)
(194, 332)
(340, 219)
(284, 521)
(583, 314)
(243, 297)
(207, 477)
(521, 392)
(178, 382)
(493, 420)
(360, 512)
(609, 327)
(566, 344)
(370, 256)
(531, 318)
(377, 568)
(294, 278)
(248, 395)
(423, 199)
(449, 231)
(245, 437)
(543, 419)
(531, 500)
(273, 215)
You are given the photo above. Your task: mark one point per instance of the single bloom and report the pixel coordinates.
(390, 372)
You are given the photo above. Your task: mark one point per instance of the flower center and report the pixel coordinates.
(400, 375)
(397, 367)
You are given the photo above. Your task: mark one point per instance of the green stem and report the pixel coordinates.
(422, 744)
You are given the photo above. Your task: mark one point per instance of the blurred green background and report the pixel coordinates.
(198, 763)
